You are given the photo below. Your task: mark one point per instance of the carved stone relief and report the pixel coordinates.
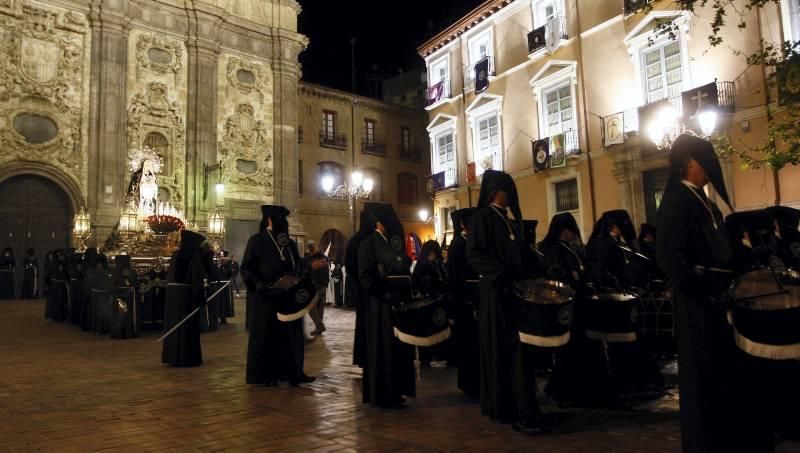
(153, 111)
(43, 63)
(159, 55)
(247, 77)
(245, 150)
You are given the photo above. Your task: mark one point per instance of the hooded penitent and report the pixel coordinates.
(461, 217)
(688, 147)
(645, 230)
(278, 215)
(559, 223)
(495, 181)
(191, 245)
(384, 213)
(788, 220)
(619, 218)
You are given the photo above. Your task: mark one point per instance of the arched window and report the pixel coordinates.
(158, 143)
(407, 189)
(377, 187)
(333, 170)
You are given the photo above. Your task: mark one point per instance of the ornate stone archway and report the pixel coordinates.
(61, 179)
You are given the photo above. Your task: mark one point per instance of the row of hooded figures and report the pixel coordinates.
(504, 299)
(109, 297)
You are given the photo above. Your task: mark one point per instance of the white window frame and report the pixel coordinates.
(665, 86)
(572, 123)
(542, 84)
(638, 42)
(485, 37)
(444, 125)
(790, 16)
(538, 8)
(484, 106)
(435, 64)
(565, 175)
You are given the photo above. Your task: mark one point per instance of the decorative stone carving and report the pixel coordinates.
(247, 77)
(162, 56)
(42, 99)
(153, 111)
(245, 152)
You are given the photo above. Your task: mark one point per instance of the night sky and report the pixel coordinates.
(387, 35)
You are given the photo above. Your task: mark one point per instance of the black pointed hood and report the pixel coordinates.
(461, 216)
(559, 223)
(278, 214)
(384, 213)
(495, 181)
(621, 219)
(688, 146)
(191, 245)
(788, 220)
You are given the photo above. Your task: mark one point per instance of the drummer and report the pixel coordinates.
(692, 242)
(496, 249)
(464, 295)
(612, 267)
(389, 367)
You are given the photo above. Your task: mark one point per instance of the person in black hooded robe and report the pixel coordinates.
(787, 236)
(691, 242)
(429, 274)
(651, 273)
(30, 276)
(389, 369)
(77, 278)
(274, 348)
(498, 251)
(354, 293)
(58, 291)
(7, 267)
(613, 269)
(185, 292)
(464, 291)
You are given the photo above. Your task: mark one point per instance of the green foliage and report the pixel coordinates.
(782, 145)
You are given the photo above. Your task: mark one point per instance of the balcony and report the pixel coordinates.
(332, 140)
(437, 93)
(413, 154)
(632, 6)
(373, 148)
(548, 35)
(470, 73)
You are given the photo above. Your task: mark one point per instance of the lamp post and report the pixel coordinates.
(666, 126)
(357, 187)
(82, 229)
(128, 227)
(216, 230)
(425, 216)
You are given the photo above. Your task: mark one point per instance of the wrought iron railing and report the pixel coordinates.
(537, 39)
(373, 148)
(332, 140)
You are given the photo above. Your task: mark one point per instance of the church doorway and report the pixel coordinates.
(34, 213)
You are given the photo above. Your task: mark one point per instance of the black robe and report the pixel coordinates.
(389, 368)
(7, 280)
(508, 382)
(714, 412)
(356, 296)
(57, 305)
(272, 349)
(184, 294)
(580, 374)
(464, 307)
(612, 268)
(30, 279)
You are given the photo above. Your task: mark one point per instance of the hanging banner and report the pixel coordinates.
(541, 155)
(558, 151)
(613, 129)
(699, 99)
(482, 75)
(472, 175)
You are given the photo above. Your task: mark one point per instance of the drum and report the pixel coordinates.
(421, 322)
(544, 312)
(612, 317)
(766, 314)
(296, 296)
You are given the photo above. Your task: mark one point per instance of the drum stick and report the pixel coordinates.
(194, 312)
(633, 252)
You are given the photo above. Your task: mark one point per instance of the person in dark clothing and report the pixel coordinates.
(692, 241)
(30, 279)
(463, 288)
(429, 274)
(355, 295)
(647, 247)
(389, 368)
(580, 374)
(496, 249)
(77, 279)
(787, 236)
(274, 348)
(57, 305)
(7, 281)
(613, 268)
(316, 265)
(185, 292)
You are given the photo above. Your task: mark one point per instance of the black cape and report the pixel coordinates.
(508, 383)
(389, 369)
(184, 294)
(7, 287)
(30, 279)
(464, 306)
(713, 411)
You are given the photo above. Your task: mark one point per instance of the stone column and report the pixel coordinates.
(107, 118)
(201, 117)
(286, 73)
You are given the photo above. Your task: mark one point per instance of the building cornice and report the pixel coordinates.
(472, 19)
(318, 91)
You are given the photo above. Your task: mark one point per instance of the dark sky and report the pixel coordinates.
(387, 35)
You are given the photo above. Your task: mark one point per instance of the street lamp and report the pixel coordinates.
(128, 227)
(82, 229)
(358, 187)
(425, 217)
(216, 229)
(708, 122)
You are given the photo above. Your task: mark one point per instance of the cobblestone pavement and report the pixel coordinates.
(66, 390)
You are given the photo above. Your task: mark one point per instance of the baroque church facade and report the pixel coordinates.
(210, 85)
